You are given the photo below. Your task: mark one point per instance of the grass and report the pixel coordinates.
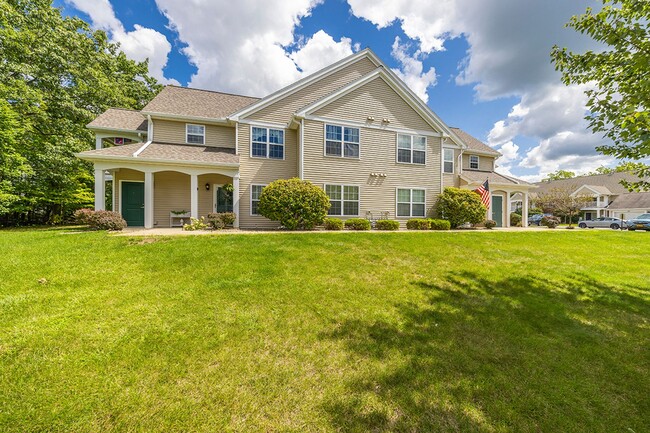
(350, 332)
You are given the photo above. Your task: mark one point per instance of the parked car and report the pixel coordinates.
(603, 222)
(537, 218)
(642, 222)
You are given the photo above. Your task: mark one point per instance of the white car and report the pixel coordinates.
(604, 223)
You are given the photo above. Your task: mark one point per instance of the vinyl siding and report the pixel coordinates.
(377, 155)
(449, 179)
(281, 111)
(485, 163)
(170, 131)
(376, 99)
(261, 171)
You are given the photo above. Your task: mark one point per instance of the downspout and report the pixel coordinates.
(149, 128)
(301, 159)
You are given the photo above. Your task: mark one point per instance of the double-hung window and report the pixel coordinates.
(194, 134)
(256, 192)
(341, 141)
(473, 162)
(410, 202)
(411, 149)
(448, 162)
(344, 199)
(267, 143)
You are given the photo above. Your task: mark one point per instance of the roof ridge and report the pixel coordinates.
(212, 91)
(125, 109)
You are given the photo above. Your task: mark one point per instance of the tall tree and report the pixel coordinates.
(619, 102)
(561, 202)
(56, 75)
(559, 174)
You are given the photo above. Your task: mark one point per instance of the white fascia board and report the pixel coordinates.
(302, 83)
(142, 148)
(122, 130)
(170, 162)
(589, 188)
(167, 116)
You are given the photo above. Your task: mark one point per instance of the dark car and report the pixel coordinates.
(642, 222)
(537, 218)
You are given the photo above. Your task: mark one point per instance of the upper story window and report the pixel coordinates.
(411, 202)
(411, 149)
(341, 141)
(194, 134)
(344, 199)
(448, 160)
(473, 162)
(267, 143)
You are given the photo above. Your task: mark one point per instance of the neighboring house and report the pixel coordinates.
(610, 197)
(353, 128)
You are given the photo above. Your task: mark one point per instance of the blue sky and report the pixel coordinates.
(481, 66)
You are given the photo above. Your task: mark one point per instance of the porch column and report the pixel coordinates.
(194, 196)
(508, 210)
(524, 210)
(148, 200)
(98, 141)
(235, 199)
(100, 189)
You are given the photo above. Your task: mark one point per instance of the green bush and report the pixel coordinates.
(439, 224)
(460, 206)
(490, 224)
(219, 220)
(387, 225)
(418, 224)
(515, 220)
(357, 224)
(333, 224)
(294, 203)
(550, 221)
(106, 220)
(196, 224)
(82, 216)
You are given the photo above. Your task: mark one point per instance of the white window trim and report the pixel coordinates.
(453, 162)
(201, 135)
(250, 209)
(325, 125)
(343, 199)
(268, 143)
(397, 202)
(478, 162)
(411, 136)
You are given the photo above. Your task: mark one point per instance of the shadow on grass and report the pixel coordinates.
(510, 354)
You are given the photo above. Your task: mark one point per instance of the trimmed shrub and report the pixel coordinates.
(490, 224)
(196, 224)
(460, 206)
(82, 216)
(106, 220)
(387, 225)
(294, 203)
(221, 219)
(418, 224)
(515, 220)
(439, 224)
(550, 221)
(333, 224)
(357, 224)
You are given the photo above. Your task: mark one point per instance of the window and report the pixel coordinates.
(448, 163)
(341, 141)
(256, 192)
(344, 199)
(194, 134)
(410, 202)
(267, 143)
(411, 149)
(473, 162)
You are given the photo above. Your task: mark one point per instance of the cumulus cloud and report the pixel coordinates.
(140, 44)
(411, 70)
(321, 50)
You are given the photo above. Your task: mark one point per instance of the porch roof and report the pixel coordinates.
(478, 177)
(165, 152)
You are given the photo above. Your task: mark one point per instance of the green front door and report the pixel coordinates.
(497, 209)
(133, 203)
(223, 201)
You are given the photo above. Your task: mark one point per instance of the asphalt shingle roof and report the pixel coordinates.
(631, 200)
(166, 151)
(474, 143)
(491, 177)
(610, 181)
(119, 118)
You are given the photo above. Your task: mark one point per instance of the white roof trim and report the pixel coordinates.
(304, 82)
(174, 162)
(590, 189)
(168, 116)
(143, 147)
(515, 184)
(109, 129)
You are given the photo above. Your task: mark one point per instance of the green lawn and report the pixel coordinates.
(545, 331)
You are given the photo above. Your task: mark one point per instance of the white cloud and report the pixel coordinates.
(411, 70)
(140, 44)
(321, 50)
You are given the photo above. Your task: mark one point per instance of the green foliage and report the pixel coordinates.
(220, 220)
(490, 224)
(106, 220)
(56, 75)
(357, 224)
(418, 224)
(333, 224)
(436, 224)
(558, 175)
(196, 224)
(515, 219)
(619, 103)
(550, 221)
(387, 225)
(561, 201)
(460, 206)
(296, 204)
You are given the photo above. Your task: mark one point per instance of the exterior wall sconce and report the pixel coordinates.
(207, 187)
(371, 119)
(385, 120)
(378, 174)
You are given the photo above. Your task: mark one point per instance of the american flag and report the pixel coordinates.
(484, 192)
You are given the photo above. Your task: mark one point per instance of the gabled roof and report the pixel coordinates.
(474, 144)
(596, 189)
(196, 103)
(610, 181)
(119, 119)
(632, 200)
(479, 176)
